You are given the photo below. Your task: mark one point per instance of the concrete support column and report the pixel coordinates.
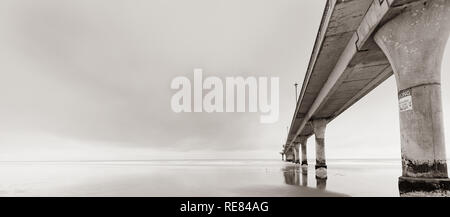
(319, 126)
(296, 152)
(304, 157)
(414, 43)
(289, 155)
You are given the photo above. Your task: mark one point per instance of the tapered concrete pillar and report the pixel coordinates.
(289, 155)
(414, 43)
(303, 147)
(296, 149)
(294, 154)
(319, 126)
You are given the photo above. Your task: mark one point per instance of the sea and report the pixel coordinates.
(199, 178)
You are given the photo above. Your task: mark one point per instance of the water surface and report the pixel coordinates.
(198, 178)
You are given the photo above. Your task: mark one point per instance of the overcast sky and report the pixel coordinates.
(90, 80)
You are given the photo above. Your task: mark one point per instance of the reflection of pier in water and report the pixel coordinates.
(292, 174)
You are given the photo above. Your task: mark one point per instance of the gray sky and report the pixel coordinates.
(90, 79)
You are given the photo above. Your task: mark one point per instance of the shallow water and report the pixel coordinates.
(198, 178)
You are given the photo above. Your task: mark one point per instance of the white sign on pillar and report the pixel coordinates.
(405, 100)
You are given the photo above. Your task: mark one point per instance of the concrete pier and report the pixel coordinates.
(296, 150)
(290, 156)
(304, 159)
(319, 126)
(414, 43)
(358, 46)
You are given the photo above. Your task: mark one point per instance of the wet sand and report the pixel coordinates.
(259, 178)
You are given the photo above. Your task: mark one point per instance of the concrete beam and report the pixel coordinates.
(387, 72)
(377, 11)
(329, 7)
